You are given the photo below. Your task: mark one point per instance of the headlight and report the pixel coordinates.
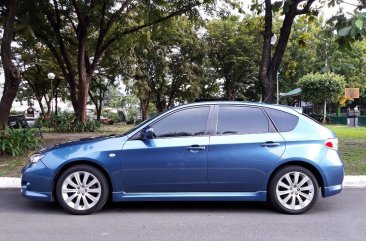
(35, 158)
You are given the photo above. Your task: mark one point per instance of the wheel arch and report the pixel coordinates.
(81, 162)
(304, 164)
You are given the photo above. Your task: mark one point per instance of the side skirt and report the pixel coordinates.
(190, 196)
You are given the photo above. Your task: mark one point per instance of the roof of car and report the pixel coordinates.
(221, 102)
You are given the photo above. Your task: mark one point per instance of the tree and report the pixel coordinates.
(270, 64)
(165, 65)
(36, 62)
(349, 28)
(11, 71)
(79, 32)
(313, 48)
(234, 54)
(100, 87)
(314, 87)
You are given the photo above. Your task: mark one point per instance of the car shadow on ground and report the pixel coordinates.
(29, 206)
(130, 207)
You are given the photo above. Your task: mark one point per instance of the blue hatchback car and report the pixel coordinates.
(209, 151)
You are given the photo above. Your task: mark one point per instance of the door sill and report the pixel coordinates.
(190, 196)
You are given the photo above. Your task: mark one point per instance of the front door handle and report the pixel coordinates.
(196, 148)
(270, 144)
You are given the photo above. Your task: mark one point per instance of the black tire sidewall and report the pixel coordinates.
(102, 180)
(273, 184)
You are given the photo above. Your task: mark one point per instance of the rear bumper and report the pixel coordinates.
(333, 173)
(332, 190)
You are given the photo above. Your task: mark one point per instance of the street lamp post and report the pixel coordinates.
(273, 42)
(51, 76)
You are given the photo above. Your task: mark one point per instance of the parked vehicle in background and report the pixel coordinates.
(17, 121)
(210, 151)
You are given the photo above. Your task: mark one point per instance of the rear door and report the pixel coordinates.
(243, 149)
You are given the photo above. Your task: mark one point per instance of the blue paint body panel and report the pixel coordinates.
(228, 168)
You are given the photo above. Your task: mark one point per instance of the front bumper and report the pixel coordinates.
(36, 182)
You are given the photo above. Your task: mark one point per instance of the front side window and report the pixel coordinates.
(187, 122)
(241, 120)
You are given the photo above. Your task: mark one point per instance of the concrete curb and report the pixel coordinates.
(9, 182)
(348, 182)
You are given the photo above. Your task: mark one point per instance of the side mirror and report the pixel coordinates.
(147, 133)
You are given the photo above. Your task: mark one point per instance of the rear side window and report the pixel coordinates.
(241, 120)
(283, 121)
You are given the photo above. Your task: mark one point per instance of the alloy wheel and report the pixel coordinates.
(295, 190)
(81, 190)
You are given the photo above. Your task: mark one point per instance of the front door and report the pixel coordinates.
(174, 161)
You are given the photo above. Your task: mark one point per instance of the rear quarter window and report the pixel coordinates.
(282, 120)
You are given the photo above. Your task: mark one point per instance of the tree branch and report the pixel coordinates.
(139, 27)
(305, 9)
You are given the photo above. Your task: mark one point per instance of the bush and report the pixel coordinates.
(16, 142)
(112, 117)
(317, 88)
(65, 122)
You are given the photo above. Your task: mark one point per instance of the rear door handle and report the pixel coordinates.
(196, 148)
(270, 144)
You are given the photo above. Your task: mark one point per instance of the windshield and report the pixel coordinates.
(139, 125)
(147, 120)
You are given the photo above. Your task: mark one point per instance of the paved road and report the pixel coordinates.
(341, 217)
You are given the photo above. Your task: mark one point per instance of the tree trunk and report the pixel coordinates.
(144, 106)
(11, 72)
(39, 100)
(84, 76)
(99, 112)
(270, 65)
(264, 74)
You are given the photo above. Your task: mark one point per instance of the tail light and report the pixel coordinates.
(332, 144)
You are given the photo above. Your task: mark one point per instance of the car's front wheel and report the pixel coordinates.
(293, 190)
(82, 189)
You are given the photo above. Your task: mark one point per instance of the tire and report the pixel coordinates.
(292, 196)
(82, 190)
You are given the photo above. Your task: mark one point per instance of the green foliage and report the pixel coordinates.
(314, 49)
(317, 88)
(349, 28)
(115, 117)
(234, 50)
(131, 116)
(65, 122)
(16, 142)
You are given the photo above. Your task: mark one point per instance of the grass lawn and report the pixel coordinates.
(352, 147)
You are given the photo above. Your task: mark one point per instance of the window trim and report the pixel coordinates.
(270, 123)
(135, 136)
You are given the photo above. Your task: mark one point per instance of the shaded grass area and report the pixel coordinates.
(352, 147)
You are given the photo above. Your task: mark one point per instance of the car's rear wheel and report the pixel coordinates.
(82, 189)
(293, 190)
